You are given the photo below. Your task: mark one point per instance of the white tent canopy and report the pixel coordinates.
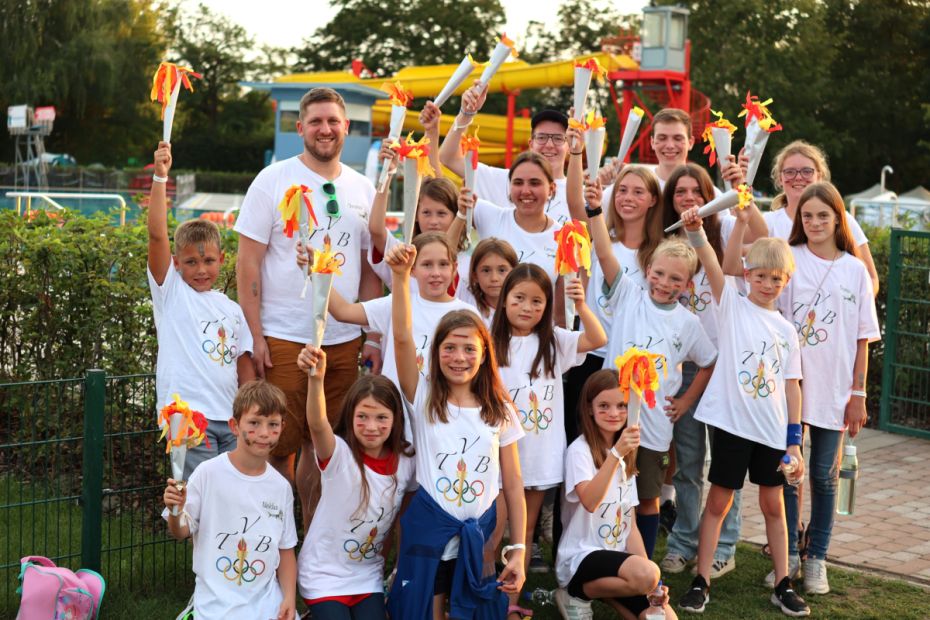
(885, 208)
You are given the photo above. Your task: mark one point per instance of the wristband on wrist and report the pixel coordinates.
(158, 179)
(697, 238)
(574, 153)
(794, 435)
(373, 344)
(859, 393)
(461, 216)
(510, 548)
(613, 450)
(464, 113)
(592, 212)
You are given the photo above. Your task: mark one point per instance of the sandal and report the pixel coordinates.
(521, 611)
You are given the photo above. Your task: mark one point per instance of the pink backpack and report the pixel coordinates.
(51, 592)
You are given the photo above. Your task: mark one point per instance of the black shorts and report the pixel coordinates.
(731, 457)
(600, 564)
(444, 572)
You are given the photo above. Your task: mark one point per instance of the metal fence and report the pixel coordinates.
(81, 477)
(905, 399)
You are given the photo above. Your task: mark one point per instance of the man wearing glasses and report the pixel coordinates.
(493, 184)
(270, 282)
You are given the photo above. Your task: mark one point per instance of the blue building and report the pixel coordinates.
(359, 100)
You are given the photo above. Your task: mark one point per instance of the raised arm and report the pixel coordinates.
(249, 284)
(401, 258)
(574, 180)
(449, 153)
(376, 226)
(591, 492)
(429, 119)
(466, 201)
(698, 239)
(593, 337)
(321, 433)
(600, 236)
(734, 173)
(159, 245)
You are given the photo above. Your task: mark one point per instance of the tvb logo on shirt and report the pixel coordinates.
(220, 338)
(466, 487)
(242, 569)
(613, 531)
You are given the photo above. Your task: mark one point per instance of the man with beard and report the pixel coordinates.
(270, 282)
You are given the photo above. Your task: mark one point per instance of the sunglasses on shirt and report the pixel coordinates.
(332, 203)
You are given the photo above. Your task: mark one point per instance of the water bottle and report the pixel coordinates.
(789, 467)
(541, 596)
(656, 611)
(849, 472)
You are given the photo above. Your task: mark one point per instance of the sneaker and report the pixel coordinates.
(537, 563)
(815, 576)
(673, 563)
(788, 600)
(719, 568)
(572, 608)
(667, 515)
(794, 571)
(544, 526)
(697, 597)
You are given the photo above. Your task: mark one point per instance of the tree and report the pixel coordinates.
(388, 35)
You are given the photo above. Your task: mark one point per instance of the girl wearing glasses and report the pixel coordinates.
(797, 166)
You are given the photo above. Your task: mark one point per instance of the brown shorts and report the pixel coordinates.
(341, 372)
(651, 466)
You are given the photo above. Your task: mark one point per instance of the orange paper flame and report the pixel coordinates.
(418, 150)
(290, 208)
(573, 248)
(753, 108)
(745, 196)
(708, 135)
(324, 261)
(506, 41)
(165, 79)
(597, 70)
(399, 95)
(591, 121)
(637, 369)
(469, 146)
(191, 431)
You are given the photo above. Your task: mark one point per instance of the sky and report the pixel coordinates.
(285, 23)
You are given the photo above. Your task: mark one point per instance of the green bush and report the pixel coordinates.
(880, 246)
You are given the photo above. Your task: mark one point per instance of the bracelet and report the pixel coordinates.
(697, 238)
(574, 153)
(592, 212)
(859, 393)
(373, 344)
(461, 216)
(613, 450)
(510, 548)
(794, 435)
(464, 113)
(158, 179)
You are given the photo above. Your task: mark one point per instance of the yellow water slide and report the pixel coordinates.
(427, 81)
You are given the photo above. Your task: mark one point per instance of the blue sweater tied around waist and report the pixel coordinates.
(425, 530)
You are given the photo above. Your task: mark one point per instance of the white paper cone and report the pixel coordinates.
(178, 454)
(411, 196)
(722, 144)
(304, 233)
(569, 303)
(169, 110)
(580, 91)
(632, 409)
(470, 184)
(322, 286)
(630, 130)
(398, 114)
(724, 201)
(498, 56)
(756, 138)
(460, 74)
(594, 145)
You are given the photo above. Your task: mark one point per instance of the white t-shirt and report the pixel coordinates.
(674, 333)
(238, 524)
(493, 184)
(284, 314)
(780, 226)
(607, 527)
(698, 297)
(830, 318)
(597, 293)
(341, 554)
(458, 463)
(540, 404)
(758, 353)
(426, 316)
(538, 247)
(200, 339)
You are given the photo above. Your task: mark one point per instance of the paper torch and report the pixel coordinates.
(165, 88)
(584, 71)
(572, 254)
(325, 264)
(630, 129)
(297, 211)
(724, 201)
(502, 50)
(460, 74)
(469, 146)
(639, 380)
(595, 130)
(717, 136)
(414, 155)
(183, 429)
(400, 99)
(759, 124)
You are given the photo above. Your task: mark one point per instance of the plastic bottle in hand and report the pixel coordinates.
(541, 596)
(789, 467)
(656, 611)
(849, 472)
